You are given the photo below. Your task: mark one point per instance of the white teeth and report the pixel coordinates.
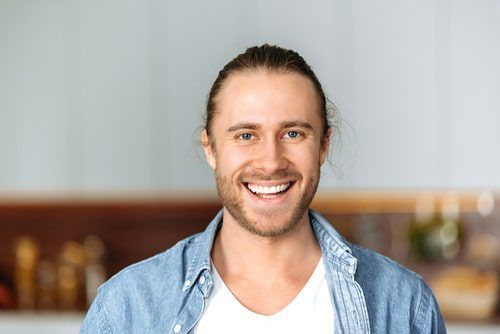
(256, 189)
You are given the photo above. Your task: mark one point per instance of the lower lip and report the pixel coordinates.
(275, 200)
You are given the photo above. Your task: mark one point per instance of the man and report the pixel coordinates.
(266, 263)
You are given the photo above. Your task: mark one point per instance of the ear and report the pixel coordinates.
(323, 153)
(208, 149)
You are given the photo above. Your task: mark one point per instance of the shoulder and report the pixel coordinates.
(166, 265)
(166, 269)
(134, 294)
(381, 277)
(394, 292)
(381, 268)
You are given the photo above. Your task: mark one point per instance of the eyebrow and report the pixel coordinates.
(296, 124)
(255, 126)
(240, 126)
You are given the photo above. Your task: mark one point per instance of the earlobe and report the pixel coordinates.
(208, 149)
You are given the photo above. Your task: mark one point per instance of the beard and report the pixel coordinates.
(232, 201)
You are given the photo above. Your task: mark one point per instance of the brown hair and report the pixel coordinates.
(271, 58)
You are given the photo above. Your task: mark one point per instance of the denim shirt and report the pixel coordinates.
(166, 293)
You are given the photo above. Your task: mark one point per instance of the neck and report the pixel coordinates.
(238, 252)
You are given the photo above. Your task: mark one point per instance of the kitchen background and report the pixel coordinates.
(101, 103)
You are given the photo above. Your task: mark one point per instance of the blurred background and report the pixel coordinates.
(101, 103)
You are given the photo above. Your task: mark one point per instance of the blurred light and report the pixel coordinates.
(485, 203)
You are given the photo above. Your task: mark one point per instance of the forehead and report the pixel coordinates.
(267, 98)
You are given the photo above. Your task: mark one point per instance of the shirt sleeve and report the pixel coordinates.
(435, 322)
(95, 321)
(432, 321)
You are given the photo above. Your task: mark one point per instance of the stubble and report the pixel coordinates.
(233, 203)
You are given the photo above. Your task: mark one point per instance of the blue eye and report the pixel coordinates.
(293, 134)
(246, 136)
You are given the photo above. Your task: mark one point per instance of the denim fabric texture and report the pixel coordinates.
(166, 293)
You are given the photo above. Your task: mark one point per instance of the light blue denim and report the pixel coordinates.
(166, 293)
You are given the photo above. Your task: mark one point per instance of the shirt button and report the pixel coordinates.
(177, 328)
(187, 283)
(202, 279)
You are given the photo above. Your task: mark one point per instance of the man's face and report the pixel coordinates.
(266, 149)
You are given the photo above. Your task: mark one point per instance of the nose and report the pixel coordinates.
(271, 157)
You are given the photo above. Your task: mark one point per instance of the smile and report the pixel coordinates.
(268, 191)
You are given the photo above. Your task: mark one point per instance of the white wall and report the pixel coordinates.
(33, 101)
(475, 93)
(107, 95)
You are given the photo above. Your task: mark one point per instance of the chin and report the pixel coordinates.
(268, 224)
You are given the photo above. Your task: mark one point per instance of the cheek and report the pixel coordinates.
(305, 157)
(232, 159)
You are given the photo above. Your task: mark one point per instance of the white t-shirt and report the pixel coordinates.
(310, 311)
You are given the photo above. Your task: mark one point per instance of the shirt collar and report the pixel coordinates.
(333, 246)
(202, 245)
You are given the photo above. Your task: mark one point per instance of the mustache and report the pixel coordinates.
(278, 175)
